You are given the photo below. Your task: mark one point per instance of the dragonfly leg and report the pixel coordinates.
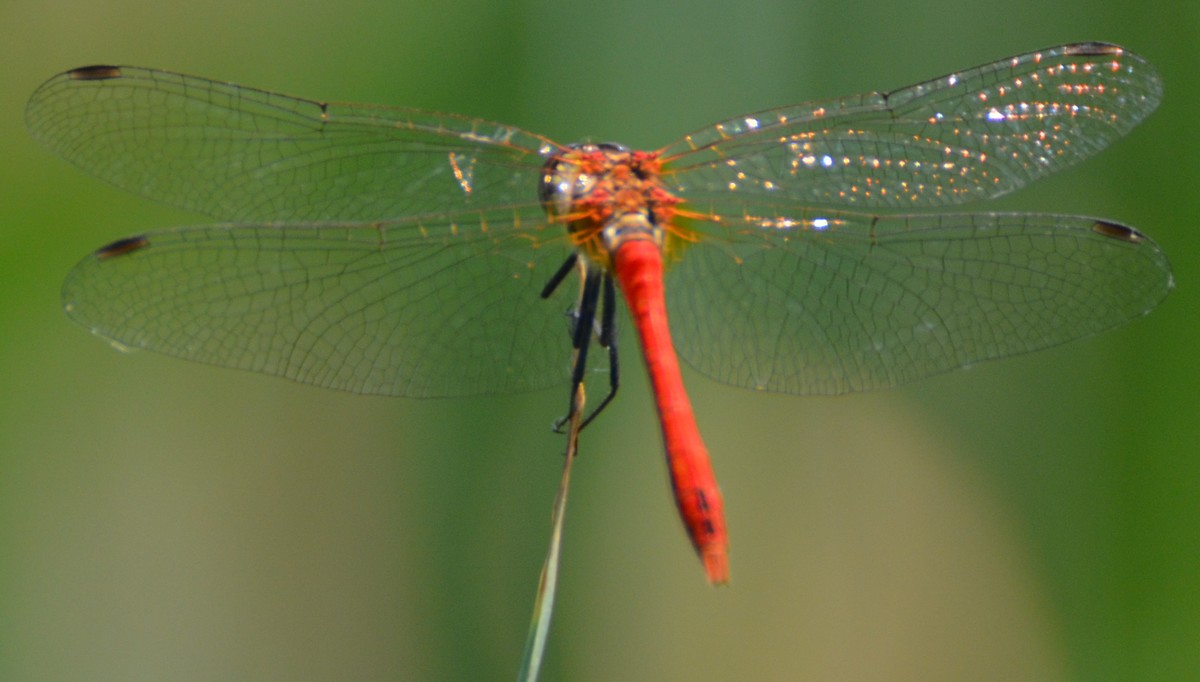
(559, 275)
(606, 332)
(599, 290)
(608, 339)
(584, 317)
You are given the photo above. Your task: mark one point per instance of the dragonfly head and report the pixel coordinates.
(606, 195)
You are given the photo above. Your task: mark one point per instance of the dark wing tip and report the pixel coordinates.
(122, 247)
(1118, 231)
(98, 72)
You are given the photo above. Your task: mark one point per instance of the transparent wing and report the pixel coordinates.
(966, 136)
(437, 308)
(410, 246)
(243, 154)
(824, 303)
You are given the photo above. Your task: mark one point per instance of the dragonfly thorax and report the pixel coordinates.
(624, 227)
(607, 195)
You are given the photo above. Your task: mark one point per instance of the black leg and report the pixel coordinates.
(585, 318)
(557, 278)
(599, 291)
(608, 339)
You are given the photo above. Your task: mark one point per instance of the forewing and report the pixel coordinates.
(966, 136)
(243, 154)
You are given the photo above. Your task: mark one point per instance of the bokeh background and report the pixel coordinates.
(1035, 518)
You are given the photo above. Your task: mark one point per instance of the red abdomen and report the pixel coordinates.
(638, 267)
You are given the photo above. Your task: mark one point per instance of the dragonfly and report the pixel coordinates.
(807, 249)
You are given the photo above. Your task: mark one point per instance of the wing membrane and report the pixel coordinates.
(409, 308)
(826, 303)
(967, 136)
(243, 154)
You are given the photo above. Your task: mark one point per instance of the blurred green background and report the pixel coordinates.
(1035, 518)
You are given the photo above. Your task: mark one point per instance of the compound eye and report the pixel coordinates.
(562, 184)
(613, 147)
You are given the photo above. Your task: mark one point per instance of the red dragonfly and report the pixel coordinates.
(401, 252)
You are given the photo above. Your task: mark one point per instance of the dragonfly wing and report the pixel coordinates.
(967, 136)
(831, 303)
(411, 308)
(242, 154)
